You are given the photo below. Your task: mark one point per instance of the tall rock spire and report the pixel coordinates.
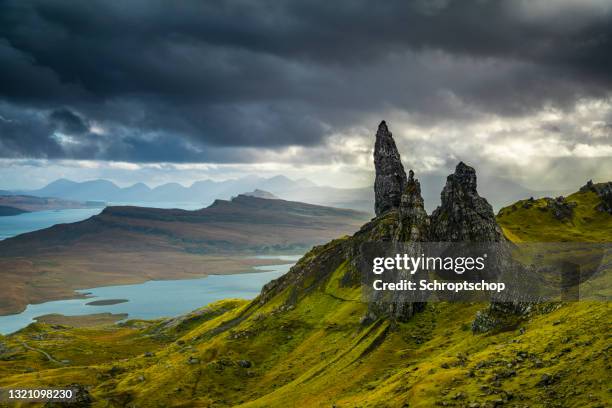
(390, 175)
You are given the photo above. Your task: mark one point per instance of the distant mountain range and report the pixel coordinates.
(499, 191)
(205, 191)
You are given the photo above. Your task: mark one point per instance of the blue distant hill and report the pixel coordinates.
(499, 191)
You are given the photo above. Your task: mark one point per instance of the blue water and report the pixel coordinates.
(27, 222)
(164, 204)
(153, 299)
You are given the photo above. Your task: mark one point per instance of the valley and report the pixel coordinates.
(127, 245)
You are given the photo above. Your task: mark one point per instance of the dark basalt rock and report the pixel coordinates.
(560, 208)
(244, 363)
(604, 191)
(401, 217)
(499, 315)
(414, 221)
(80, 398)
(605, 194)
(463, 214)
(527, 204)
(390, 175)
(412, 225)
(589, 186)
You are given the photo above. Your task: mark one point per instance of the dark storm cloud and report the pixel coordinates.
(24, 134)
(179, 81)
(69, 122)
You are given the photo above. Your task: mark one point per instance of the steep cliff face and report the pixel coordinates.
(390, 175)
(463, 214)
(413, 220)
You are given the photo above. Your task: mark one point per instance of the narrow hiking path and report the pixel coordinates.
(44, 353)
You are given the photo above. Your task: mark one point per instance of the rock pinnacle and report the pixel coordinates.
(390, 175)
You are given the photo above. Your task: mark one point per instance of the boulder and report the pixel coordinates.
(560, 208)
(604, 191)
(244, 363)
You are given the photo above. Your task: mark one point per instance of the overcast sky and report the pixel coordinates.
(159, 91)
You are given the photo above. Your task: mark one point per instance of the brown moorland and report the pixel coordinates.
(125, 245)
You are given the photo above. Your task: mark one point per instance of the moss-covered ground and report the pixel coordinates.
(532, 221)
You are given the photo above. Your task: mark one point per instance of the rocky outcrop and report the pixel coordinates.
(409, 223)
(401, 217)
(587, 187)
(604, 191)
(500, 315)
(606, 199)
(560, 208)
(413, 219)
(81, 398)
(463, 214)
(390, 175)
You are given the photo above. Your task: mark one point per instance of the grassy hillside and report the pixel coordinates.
(304, 343)
(533, 221)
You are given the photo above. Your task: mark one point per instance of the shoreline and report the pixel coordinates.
(89, 320)
(246, 264)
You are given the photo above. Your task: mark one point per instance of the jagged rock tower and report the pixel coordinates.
(401, 217)
(400, 204)
(463, 215)
(390, 175)
(413, 219)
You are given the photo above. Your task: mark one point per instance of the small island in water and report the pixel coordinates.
(106, 302)
(81, 321)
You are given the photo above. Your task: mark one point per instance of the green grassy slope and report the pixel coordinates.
(303, 344)
(532, 221)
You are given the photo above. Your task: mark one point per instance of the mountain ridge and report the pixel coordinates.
(130, 244)
(500, 191)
